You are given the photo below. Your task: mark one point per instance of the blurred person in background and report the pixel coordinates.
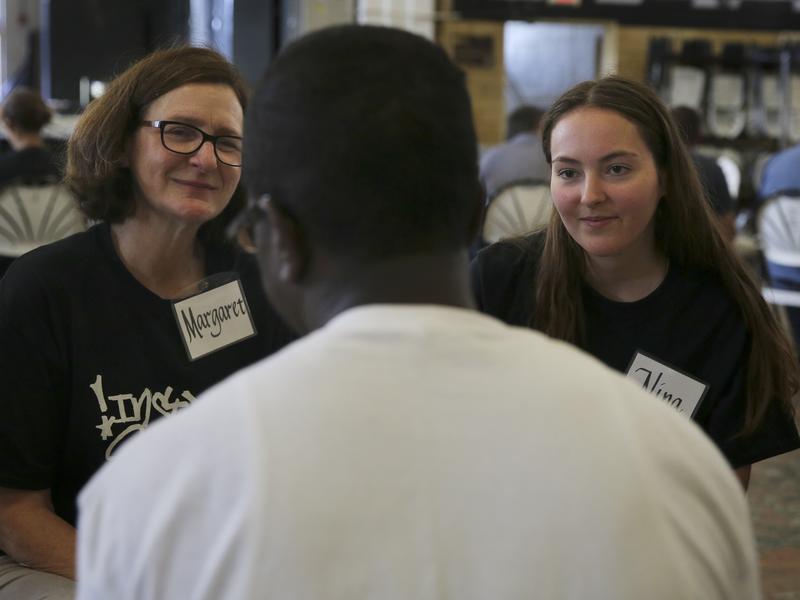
(711, 175)
(22, 116)
(520, 158)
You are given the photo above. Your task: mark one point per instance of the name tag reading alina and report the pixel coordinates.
(214, 319)
(677, 389)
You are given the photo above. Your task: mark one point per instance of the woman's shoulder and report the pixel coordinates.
(57, 261)
(503, 277)
(511, 255)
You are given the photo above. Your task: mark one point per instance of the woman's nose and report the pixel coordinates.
(205, 156)
(593, 191)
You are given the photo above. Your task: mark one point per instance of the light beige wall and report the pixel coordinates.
(485, 84)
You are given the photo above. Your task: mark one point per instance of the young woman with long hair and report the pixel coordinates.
(633, 269)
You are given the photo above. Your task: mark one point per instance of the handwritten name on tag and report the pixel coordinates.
(214, 319)
(682, 392)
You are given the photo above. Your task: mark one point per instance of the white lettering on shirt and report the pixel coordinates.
(131, 412)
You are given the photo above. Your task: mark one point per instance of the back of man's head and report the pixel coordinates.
(523, 119)
(364, 136)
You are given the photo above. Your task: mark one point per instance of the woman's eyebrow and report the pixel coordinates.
(189, 120)
(609, 156)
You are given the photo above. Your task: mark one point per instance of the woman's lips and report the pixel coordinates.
(597, 221)
(195, 184)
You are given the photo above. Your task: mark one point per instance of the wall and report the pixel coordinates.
(412, 15)
(302, 16)
(470, 43)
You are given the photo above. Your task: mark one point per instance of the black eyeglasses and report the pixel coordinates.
(187, 139)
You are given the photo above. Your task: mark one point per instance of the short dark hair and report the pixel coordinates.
(364, 135)
(689, 123)
(523, 119)
(95, 169)
(25, 111)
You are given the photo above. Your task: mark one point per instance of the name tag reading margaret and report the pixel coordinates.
(682, 392)
(214, 319)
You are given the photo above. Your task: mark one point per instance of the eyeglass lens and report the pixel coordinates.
(186, 139)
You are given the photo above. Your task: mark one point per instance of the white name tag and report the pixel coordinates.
(214, 319)
(680, 391)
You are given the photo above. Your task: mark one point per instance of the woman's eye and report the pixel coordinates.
(229, 144)
(567, 173)
(618, 169)
(179, 131)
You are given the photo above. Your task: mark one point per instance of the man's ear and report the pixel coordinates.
(286, 244)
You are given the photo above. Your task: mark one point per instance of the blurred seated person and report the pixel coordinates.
(520, 157)
(23, 116)
(781, 174)
(711, 175)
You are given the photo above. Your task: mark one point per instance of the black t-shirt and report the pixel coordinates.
(689, 323)
(33, 165)
(89, 356)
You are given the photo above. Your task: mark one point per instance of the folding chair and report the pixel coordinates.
(34, 215)
(778, 226)
(517, 209)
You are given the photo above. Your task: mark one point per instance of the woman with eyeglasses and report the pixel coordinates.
(108, 330)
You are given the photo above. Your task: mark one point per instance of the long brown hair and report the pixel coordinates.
(686, 232)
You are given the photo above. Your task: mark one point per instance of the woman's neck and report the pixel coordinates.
(166, 259)
(627, 278)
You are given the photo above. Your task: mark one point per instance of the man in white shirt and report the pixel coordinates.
(407, 447)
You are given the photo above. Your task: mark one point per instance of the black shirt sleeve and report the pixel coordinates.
(32, 366)
(724, 422)
(503, 279)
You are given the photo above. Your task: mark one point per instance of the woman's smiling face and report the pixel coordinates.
(604, 182)
(186, 188)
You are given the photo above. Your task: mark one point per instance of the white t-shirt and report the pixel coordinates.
(418, 452)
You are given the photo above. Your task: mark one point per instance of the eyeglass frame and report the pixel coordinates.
(207, 137)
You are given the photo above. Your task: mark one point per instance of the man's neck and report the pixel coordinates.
(441, 279)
